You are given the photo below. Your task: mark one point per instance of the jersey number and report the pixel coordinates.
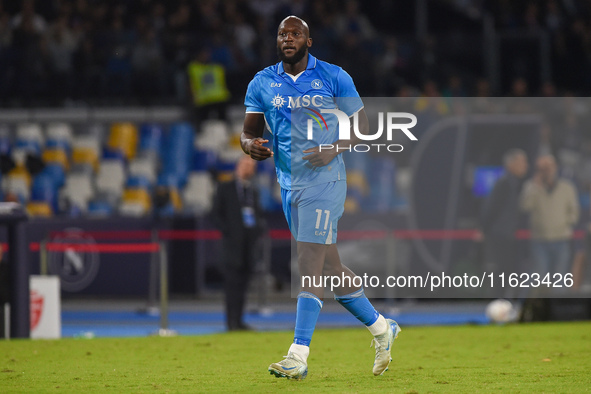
(319, 217)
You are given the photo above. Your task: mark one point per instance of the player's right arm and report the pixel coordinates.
(251, 139)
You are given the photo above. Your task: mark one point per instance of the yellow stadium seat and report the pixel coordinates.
(137, 196)
(58, 156)
(84, 155)
(225, 176)
(21, 172)
(175, 199)
(39, 209)
(124, 137)
(235, 141)
(351, 205)
(357, 180)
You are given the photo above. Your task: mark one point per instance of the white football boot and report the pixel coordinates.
(292, 367)
(383, 344)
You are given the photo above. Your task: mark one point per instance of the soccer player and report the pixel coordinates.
(312, 179)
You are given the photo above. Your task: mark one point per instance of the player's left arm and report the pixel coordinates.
(321, 156)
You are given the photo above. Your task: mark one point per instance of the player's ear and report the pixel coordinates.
(309, 42)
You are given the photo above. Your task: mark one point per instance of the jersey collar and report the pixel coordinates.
(311, 64)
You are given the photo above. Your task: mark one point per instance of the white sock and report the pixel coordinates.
(302, 351)
(379, 327)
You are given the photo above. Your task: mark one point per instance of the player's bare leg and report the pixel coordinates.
(334, 267)
(311, 261)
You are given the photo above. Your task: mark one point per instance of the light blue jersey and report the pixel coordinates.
(292, 106)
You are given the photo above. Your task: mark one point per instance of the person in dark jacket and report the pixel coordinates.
(238, 214)
(502, 215)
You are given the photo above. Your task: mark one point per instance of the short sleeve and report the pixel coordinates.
(347, 98)
(252, 100)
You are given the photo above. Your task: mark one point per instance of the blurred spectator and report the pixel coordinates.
(238, 215)
(548, 89)
(455, 87)
(354, 21)
(61, 44)
(502, 217)
(29, 59)
(553, 208)
(147, 63)
(208, 87)
(387, 66)
(519, 88)
(28, 15)
(103, 46)
(356, 59)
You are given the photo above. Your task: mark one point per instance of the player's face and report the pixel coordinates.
(292, 41)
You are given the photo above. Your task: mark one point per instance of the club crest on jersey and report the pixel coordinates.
(278, 101)
(316, 84)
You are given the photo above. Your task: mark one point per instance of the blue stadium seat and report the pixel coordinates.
(100, 208)
(204, 160)
(113, 154)
(55, 172)
(138, 182)
(151, 137)
(59, 144)
(171, 179)
(29, 146)
(225, 170)
(44, 189)
(179, 148)
(5, 145)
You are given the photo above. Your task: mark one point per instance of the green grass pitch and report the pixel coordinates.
(552, 357)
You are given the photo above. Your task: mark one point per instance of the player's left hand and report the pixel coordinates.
(320, 158)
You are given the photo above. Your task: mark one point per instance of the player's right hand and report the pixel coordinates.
(257, 150)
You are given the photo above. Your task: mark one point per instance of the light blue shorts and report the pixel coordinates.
(313, 213)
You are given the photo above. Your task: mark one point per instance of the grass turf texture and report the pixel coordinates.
(553, 357)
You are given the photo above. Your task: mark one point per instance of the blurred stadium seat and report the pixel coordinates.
(18, 183)
(60, 132)
(143, 167)
(77, 191)
(5, 142)
(100, 208)
(151, 137)
(123, 137)
(214, 136)
(56, 173)
(56, 156)
(91, 142)
(178, 153)
(135, 202)
(44, 190)
(39, 209)
(85, 156)
(204, 160)
(111, 177)
(30, 132)
(198, 193)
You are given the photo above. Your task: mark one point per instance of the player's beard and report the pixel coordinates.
(293, 59)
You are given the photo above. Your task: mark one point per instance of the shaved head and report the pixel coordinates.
(293, 41)
(295, 19)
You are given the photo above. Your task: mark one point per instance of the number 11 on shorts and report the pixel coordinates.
(319, 217)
